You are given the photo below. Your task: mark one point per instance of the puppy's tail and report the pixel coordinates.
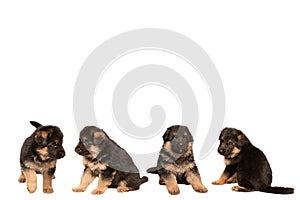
(35, 124)
(152, 170)
(278, 190)
(144, 179)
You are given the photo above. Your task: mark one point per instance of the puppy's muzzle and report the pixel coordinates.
(179, 145)
(225, 150)
(61, 154)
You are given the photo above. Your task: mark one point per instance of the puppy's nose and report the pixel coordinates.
(221, 151)
(78, 149)
(61, 154)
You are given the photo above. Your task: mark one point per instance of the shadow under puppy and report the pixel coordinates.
(39, 154)
(176, 164)
(103, 158)
(245, 164)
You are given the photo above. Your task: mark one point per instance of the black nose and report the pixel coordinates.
(78, 150)
(221, 151)
(61, 154)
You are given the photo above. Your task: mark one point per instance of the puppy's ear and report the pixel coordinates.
(225, 130)
(99, 137)
(167, 135)
(242, 139)
(188, 134)
(35, 124)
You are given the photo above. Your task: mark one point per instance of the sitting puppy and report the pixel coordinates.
(103, 158)
(176, 164)
(245, 164)
(39, 154)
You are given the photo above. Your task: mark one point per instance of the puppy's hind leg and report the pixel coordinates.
(239, 188)
(228, 176)
(22, 178)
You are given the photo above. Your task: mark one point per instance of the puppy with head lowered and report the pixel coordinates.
(176, 164)
(245, 164)
(103, 158)
(39, 154)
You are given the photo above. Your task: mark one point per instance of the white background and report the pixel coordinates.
(255, 46)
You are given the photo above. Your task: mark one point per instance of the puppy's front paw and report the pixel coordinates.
(98, 191)
(174, 190)
(78, 189)
(31, 188)
(200, 188)
(48, 190)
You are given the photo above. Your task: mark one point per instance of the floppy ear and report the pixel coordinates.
(189, 135)
(242, 139)
(35, 124)
(166, 136)
(99, 137)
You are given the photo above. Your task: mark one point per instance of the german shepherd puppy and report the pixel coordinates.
(103, 158)
(39, 154)
(176, 164)
(245, 164)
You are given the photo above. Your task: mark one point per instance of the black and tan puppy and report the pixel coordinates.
(103, 158)
(39, 154)
(245, 164)
(176, 164)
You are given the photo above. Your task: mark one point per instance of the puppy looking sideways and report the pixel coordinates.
(245, 164)
(103, 158)
(39, 154)
(176, 164)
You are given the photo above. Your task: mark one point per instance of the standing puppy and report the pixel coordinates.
(103, 158)
(176, 164)
(245, 164)
(39, 154)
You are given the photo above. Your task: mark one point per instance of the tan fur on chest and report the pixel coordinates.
(179, 169)
(40, 167)
(93, 165)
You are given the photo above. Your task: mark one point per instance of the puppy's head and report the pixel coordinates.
(48, 141)
(91, 140)
(232, 142)
(178, 139)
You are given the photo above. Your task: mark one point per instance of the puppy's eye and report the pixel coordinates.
(53, 145)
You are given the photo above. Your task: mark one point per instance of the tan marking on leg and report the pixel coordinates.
(161, 181)
(222, 180)
(122, 187)
(171, 184)
(47, 183)
(103, 184)
(86, 179)
(195, 181)
(240, 189)
(22, 178)
(30, 177)
(232, 179)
